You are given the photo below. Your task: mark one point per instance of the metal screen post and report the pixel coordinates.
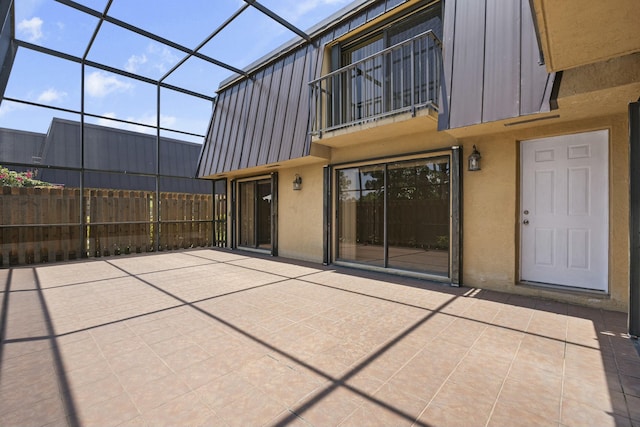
(326, 214)
(456, 215)
(634, 217)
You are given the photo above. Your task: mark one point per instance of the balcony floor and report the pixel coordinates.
(210, 337)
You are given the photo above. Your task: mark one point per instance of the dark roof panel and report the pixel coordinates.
(269, 121)
(20, 147)
(491, 65)
(285, 112)
(300, 120)
(255, 140)
(502, 61)
(252, 114)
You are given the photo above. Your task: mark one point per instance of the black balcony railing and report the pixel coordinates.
(400, 78)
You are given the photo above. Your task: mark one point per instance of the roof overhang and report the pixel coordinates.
(579, 32)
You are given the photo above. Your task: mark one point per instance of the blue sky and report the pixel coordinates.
(44, 79)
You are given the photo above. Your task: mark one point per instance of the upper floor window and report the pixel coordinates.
(393, 68)
(389, 34)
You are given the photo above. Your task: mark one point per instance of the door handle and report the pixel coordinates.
(525, 222)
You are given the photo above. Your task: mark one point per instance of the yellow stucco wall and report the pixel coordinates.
(489, 213)
(300, 213)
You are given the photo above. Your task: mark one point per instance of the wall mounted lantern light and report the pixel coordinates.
(297, 182)
(474, 160)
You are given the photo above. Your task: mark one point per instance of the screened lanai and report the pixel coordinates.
(110, 101)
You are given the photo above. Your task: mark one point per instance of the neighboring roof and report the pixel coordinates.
(20, 146)
(106, 149)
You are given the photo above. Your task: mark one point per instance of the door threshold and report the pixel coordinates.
(254, 250)
(564, 289)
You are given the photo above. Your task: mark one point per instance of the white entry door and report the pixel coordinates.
(564, 214)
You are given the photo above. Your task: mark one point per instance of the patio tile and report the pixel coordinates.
(251, 408)
(96, 392)
(156, 392)
(328, 406)
(24, 415)
(633, 404)
(88, 374)
(532, 396)
(527, 369)
(141, 374)
(111, 349)
(394, 396)
(372, 415)
(111, 412)
(139, 357)
(629, 367)
(291, 388)
(19, 349)
(185, 357)
(224, 390)
(457, 405)
(183, 410)
(198, 374)
(289, 419)
(576, 413)
(350, 350)
(630, 385)
(328, 365)
(508, 414)
(15, 394)
(262, 370)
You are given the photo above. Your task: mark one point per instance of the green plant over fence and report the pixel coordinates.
(42, 224)
(9, 178)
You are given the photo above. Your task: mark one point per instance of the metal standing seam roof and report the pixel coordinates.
(491, 72)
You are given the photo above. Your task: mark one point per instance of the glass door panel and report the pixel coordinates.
(418, 215)
(263, 217)
(361, 215)
(247, 231)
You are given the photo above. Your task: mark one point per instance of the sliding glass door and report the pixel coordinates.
(254, 213)
(396, 215)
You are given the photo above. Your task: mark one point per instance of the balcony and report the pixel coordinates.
(401, 78)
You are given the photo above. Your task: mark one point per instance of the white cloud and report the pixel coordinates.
(134, 62)
(31, 29)
(155, 57)
(100, 84)
(165, 58)
(28, 8)
(7, 107)
(51, 95)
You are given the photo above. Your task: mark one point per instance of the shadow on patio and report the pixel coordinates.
(211, 337)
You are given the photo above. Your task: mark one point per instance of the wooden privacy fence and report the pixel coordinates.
(43, 224)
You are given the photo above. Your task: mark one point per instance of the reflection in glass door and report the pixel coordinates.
(396, 215)
(254, 227)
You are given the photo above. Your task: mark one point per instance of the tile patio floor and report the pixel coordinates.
(208, 337)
